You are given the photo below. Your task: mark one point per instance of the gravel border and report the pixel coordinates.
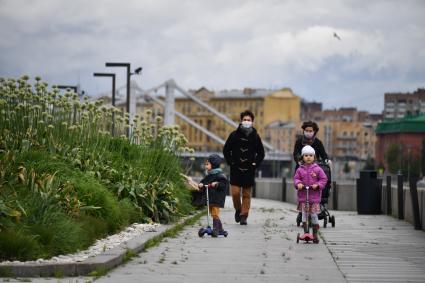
(105, 254)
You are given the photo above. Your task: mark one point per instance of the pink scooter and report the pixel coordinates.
(307, 236)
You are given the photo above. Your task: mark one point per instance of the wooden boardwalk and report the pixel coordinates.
(368, 248)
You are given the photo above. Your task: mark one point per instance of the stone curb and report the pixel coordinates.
(103, 262)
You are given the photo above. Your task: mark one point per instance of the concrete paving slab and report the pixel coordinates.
(361, 248)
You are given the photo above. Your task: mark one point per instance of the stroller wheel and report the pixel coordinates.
(333, 221)
(325, 222)
(299, 219)
(298, 238)
(201, 232)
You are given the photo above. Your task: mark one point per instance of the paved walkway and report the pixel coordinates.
(359, 249)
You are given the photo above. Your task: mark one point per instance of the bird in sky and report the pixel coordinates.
(337, 36)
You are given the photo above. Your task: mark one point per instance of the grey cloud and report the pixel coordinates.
(222, 44)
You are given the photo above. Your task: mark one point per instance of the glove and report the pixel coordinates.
(212, 185)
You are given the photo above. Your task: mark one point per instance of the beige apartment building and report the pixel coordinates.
(344, 133)
(267, 106)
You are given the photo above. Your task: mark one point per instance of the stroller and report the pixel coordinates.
(324, 212)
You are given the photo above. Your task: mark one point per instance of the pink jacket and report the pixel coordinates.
(309, 175)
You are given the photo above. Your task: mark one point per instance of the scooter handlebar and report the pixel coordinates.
(305, 187)
(208, 186)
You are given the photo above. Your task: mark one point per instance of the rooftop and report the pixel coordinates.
(409, 124)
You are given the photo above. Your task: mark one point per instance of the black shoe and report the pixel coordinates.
(243, 220)
(237, 216)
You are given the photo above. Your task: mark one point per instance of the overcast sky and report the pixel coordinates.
(223, 45)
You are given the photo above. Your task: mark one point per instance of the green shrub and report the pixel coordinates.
(65, 181)
(98, 201)
(17, 245)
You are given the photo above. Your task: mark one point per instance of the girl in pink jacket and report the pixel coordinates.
(309, 174)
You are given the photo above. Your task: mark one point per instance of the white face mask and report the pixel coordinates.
(246, 124)
(308, 135)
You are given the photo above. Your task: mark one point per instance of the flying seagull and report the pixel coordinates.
(337, 36)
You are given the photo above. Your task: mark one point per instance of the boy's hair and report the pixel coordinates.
(248, 113)
(214, 160)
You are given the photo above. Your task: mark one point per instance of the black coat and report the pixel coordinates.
(318, 148)
(217, 195)
(240, 151)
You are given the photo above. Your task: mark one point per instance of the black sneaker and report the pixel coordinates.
(243, 220)
(237, 216)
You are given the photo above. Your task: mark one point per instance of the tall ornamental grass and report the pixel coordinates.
(69, 173)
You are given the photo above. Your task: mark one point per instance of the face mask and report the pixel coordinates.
(308, 135)
(246, 124)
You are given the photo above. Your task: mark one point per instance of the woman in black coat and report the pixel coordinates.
(243, 152)
(310, 130)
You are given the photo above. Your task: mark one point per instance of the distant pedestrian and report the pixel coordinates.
(218, 185)
(243, 152)
(310, 174)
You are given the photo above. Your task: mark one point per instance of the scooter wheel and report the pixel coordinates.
(201, 232)
(333, 221)
(325, 222)
(225, 234)
(298, 238)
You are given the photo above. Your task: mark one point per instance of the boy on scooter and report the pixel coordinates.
(218, 185)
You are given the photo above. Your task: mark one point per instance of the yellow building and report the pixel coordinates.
(267, 106)
(281, 105)
(344, 132)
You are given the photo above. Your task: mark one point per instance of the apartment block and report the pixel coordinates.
(398, 105)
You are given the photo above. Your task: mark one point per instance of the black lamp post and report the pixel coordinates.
(113, 83)
(73, 87)
(137, 71)
(127, 65)
(113, 96)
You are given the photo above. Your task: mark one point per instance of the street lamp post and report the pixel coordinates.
(113, 83)
(113, 96)
(73, 87)
(137, 71)
(127, 65)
